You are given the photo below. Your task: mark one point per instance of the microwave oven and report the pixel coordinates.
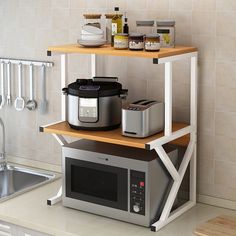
(124, 183)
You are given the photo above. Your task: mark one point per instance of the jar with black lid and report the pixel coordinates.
(152, 42)
(136, 41)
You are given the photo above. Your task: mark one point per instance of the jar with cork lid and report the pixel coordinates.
(93, 20)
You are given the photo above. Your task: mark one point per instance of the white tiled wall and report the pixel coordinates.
(28, 27)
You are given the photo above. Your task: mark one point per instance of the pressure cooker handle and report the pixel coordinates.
(105, 79)
(124, 93)
(65, 91)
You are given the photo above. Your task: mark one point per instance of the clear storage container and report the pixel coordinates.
(145, 26)
(166, 29)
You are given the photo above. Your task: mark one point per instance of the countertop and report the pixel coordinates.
(31, 211)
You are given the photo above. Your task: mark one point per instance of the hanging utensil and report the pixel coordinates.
(31, 103)
(19, 102)
(9, 101)
(2, 100)
(44, 102)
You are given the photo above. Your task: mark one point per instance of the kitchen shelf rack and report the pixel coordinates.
(176, 133)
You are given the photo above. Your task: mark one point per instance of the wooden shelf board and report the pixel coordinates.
(113, 136)
(108, 50)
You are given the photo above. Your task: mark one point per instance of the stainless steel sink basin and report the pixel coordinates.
(17, 180)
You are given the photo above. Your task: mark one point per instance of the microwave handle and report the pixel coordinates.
(105, 79)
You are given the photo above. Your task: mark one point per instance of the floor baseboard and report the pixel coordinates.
(219, 202)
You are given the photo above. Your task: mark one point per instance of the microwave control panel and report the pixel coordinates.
(137, 192)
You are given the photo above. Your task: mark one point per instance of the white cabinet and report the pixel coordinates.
(7, 229)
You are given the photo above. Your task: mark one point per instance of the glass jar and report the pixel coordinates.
(145, 26)
(152, 42)
(108, 27)
(93, 20)
(136, 41)
(166, 29)
(121, 41)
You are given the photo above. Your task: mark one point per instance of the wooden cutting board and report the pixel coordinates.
(219, 226)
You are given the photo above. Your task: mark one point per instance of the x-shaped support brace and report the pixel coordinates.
(177, 176)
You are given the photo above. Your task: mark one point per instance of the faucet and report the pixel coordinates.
(3, 162)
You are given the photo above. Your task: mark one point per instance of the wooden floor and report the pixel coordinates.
(220, 226)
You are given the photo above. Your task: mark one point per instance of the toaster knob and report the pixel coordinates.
(136, 208)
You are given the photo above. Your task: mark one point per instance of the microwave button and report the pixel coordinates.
(141, 183)
(136, 208)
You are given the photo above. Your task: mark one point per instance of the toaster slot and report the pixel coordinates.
(140, 101)
(148, 102)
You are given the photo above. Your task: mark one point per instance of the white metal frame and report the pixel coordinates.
(190, 154)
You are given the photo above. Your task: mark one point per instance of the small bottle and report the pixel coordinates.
(116, 25)
(126, 27)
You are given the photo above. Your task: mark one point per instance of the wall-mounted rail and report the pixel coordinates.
(26, 62)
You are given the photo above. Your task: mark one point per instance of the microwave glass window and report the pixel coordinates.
(94, 182)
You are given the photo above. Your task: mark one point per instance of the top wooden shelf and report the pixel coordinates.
(108, 50)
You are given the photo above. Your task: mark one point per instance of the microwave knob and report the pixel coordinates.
(136, 208)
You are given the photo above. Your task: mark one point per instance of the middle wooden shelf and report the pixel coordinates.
(113, 136)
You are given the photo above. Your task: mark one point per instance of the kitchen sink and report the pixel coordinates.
(17, 180)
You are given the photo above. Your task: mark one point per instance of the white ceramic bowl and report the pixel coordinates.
(91, 36)
(88, 29)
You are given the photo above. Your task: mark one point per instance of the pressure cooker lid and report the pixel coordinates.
(88, 88)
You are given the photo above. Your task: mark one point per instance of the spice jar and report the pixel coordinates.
(166, 29)
(136, 41)
(152, 42)
(145, 26)
(93, 20)
(121, 41)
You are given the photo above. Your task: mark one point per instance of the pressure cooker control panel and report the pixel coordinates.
(137, 192)
(88, 110)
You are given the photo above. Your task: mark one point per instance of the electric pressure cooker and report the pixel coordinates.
(95, 104)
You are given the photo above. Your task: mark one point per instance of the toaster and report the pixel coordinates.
(142, 118)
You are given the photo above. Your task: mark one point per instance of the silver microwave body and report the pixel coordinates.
(154, 178)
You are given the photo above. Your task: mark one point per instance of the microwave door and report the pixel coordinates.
(97, 183)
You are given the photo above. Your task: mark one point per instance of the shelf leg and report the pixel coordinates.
(93, 65)
(63, 85)
(193, 96)
(193, 122)
(53, 200)
(166, 217)
(168, 98)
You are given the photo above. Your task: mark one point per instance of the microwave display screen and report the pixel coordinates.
(94, 182)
